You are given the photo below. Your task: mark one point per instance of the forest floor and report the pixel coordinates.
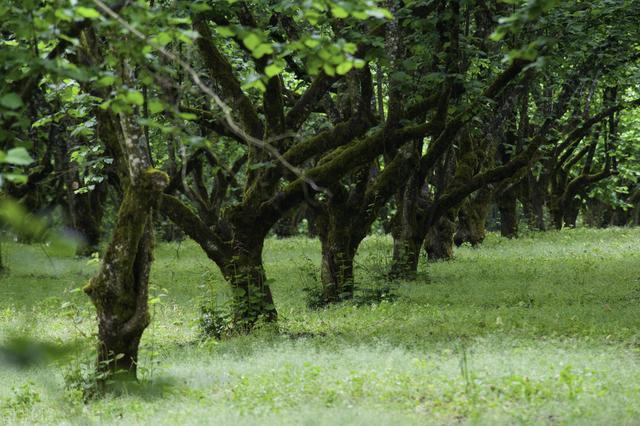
(544, 329)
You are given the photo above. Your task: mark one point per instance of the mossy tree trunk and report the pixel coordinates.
(408, 230)
(119, 290)
(85, 213)
(287, 226)
(341, 231)
(571, 211)
(532, 197)
(253, 300)
(439, 240)
(235, 243)
(336, 268)
(243, 269)
(472, 219)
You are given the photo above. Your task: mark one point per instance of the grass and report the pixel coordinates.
(544, 329)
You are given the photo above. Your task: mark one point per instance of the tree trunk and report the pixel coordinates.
(408, 230)
(507, 205)
(439, 240)
(538, 215)
(338, 252)
(472, 219)
(119, 291)
(570, 214)
(83, 211)
(2, 265)
(406, 255)
(235, 244)
(287, 226)
(557, 212)
(245, 273)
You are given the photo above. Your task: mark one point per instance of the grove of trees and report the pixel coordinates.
(231, 121)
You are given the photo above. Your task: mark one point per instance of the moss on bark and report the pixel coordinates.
(120, 288)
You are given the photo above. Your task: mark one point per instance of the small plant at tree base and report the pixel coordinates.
(230, 318)
(317, 293)
(216, 320)
(83, 380)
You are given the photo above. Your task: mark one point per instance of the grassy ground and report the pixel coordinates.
(545, 329)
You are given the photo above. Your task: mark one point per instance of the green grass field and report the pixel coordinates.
(545, 329)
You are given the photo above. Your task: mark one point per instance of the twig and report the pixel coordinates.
(266, 145)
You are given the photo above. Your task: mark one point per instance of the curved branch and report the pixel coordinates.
(221, 72)
(195, 228)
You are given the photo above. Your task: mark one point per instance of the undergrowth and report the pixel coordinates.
(543, 329)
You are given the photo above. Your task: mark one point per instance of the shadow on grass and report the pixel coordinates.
(22, 352)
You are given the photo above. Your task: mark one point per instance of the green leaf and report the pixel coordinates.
(134, 97)
(261, 50)
(106, 80)
(18, 156)
(359, 63)
(339, 12)
(16, 178)
(251, 41)
(200, 7)
(163, 38)
(155, 106)
(351, 48)
(329, 70)
(380, 13)
(344, 67)
(87, 12)
(225, 31)
(273, 69)
(11, 101)
(311, 43)
(187, 116)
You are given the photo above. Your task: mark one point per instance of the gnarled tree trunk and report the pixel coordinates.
(244, 271)
(472, 218)
(408, 231)
(235, 245)
(439, 240)
(340, 237)
(119, 290)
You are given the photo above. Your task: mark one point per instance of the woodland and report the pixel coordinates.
(319, 211)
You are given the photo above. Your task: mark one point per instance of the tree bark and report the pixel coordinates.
(339, 238)
(244, 271)
(439, 240)
(235, 244)
(532, 197)
(85, 213)
(119, 291)
(571, 211)
(408, 231)
(507, 205)
(287, 226)
(472, 219)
